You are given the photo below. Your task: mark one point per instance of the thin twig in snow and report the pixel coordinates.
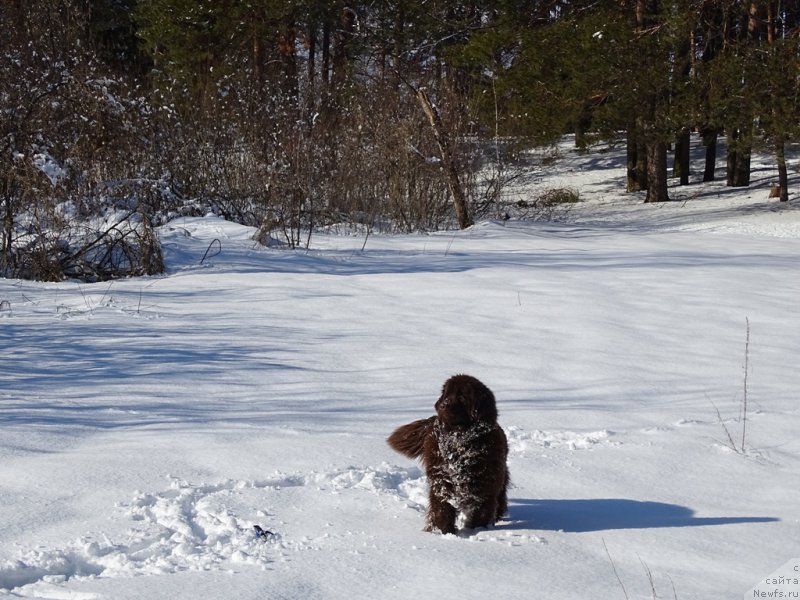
(731, 443)
(614, 567)
(746, 369)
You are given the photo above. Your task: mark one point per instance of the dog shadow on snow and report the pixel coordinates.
(601, 514)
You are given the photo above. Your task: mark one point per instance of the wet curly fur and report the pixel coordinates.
(464, 451)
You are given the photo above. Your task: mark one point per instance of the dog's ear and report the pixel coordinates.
(482, 404)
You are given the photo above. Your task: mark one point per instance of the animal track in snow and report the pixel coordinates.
(508, 538)
(519, 440)
(202, 527)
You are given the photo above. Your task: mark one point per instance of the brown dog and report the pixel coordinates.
(464, 452)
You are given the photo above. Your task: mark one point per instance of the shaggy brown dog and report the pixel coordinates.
(464, 452)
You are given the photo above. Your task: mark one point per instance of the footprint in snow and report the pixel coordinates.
(199, 527)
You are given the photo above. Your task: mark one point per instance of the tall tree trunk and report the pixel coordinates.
(582, 126)
(783, 176)
(771, 21)
(6, 254)
(451, 172)
(710, 142)
(286, 64)
(342, 50)
(636, 160)
(739, 145)
(738, 160)
(326, 52)
(311, 93)
(630, 146)
(656, 171)
(647, 18)
(399, 42)
(645, 13)
(311, 66)
(680, 166)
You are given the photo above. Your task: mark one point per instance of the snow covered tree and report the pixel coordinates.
(291, 114)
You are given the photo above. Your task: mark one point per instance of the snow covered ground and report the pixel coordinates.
(146, 425)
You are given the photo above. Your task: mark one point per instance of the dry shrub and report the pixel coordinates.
(557, 197)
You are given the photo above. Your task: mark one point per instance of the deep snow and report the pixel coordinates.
(146, 425)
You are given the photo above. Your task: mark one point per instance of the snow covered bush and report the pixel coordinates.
(74, 154)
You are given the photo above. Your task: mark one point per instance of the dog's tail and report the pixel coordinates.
(409, 439)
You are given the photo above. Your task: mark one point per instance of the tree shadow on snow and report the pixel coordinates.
(601, 514)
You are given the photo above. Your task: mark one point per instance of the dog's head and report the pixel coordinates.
(464, 402)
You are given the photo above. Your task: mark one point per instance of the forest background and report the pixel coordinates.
(293, 115)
